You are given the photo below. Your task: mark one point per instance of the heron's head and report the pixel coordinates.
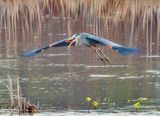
(72, 39)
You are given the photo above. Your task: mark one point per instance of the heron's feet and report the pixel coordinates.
(103, 57)
(108, 60)
(100, 55)
(103, 60)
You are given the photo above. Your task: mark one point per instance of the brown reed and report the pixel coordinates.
(23, 106)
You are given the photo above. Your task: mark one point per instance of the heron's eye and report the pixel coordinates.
(75, 35)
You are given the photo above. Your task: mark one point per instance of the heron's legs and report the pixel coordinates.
(98, 54)
(106, 58)
(101, 58)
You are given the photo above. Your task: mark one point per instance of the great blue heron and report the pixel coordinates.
(89, 40)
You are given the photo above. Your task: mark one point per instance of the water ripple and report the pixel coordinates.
(99, 75)
(102, 66)
(130, 77)
(157, 72)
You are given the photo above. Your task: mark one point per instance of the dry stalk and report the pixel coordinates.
(10, 88)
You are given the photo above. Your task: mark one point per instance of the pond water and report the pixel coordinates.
(60, 79)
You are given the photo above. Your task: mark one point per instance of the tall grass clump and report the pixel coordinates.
(15, 94)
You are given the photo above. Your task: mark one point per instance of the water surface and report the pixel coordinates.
(60, 79)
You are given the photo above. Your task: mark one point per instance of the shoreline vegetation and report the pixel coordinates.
(17, 103)
(138, 18)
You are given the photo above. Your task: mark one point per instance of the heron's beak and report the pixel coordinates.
(69, 40)
(71, 43)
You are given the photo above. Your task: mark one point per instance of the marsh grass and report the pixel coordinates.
(22, 106)
(28, 16)
(10, 88)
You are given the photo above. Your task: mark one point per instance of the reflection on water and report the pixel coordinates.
(61, 78)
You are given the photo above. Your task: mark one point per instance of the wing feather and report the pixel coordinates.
(59, 43)
(117, 47)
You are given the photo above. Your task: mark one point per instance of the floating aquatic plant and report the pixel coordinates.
(107, 99)
(91, 104)
(88, 99)
(138, 102)
(142, 99)
(137, 105)
(95, 104)
(129, 101)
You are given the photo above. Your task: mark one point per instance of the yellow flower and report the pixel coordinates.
(88, 99)
(95, 103)
(137, 105)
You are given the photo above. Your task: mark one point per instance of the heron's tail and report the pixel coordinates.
(124, 50)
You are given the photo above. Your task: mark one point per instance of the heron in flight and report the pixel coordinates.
(88, 40)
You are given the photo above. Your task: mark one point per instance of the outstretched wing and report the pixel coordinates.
(117, 47)
(60, 43)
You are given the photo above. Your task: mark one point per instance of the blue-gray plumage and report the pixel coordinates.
(89, 40)
(95, 40)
